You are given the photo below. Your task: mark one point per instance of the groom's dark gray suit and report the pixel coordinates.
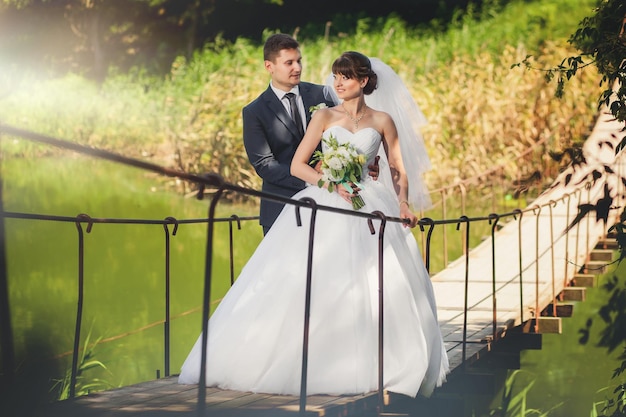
(270, 137)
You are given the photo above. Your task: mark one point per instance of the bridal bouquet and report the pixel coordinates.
(340, 165)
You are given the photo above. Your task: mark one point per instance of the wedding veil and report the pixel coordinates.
(393, 97)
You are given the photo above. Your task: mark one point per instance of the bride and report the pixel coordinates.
(255, 335)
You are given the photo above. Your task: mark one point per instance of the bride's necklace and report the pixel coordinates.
(354, 120)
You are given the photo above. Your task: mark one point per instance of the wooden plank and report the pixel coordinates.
(605, 255)
(595, 267)
(585, 280)
(574, 294)
(548, 324)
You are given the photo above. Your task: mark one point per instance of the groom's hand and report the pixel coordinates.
(345, 194)
(374, 169)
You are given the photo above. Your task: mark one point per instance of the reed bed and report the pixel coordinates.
(482, 112)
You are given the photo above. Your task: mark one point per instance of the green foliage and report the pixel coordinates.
(601, 42)
(514, 397)
(84, 383)
(602, 38)
(613, 403)
(611, 316)
(612, 335)
(191, 119)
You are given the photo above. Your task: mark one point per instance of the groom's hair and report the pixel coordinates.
(276, 43)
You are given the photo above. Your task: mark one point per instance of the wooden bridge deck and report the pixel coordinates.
(165, 397)
(547, 271)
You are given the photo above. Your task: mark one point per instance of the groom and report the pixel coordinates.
(270, 135)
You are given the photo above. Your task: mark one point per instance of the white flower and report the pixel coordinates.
(328, 175)
(315, 108)
(346, 154)
(335, 163)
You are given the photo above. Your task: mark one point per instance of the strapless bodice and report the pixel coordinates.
(366, 141)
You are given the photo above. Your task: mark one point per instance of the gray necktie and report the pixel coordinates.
(295, 113)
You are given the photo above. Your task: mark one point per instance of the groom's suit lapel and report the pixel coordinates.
(307, 100)
(276, 107)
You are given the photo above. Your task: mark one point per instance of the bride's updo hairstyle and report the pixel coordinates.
(355, 65)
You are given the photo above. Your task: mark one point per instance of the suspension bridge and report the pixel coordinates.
(495, 300)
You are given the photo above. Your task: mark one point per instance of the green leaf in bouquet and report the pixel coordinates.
(357, 202)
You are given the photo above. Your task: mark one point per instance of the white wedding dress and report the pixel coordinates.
(256, 333)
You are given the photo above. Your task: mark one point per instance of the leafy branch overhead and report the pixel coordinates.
(602, 43)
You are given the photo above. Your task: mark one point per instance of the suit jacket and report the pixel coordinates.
(271, 138)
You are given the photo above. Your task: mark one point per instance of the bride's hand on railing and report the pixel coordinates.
(406, 213)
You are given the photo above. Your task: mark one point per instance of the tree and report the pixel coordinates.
(90, 36)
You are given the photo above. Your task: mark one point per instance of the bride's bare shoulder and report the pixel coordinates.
(327, 113)
(380, 117)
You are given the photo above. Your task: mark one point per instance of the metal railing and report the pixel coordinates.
(426, 225)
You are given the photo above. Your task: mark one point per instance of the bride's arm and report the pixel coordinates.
(300, 163)
(391, 145)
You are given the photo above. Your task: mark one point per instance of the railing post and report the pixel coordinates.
(587, 255)
(166, 323)
(567, 237)
(493, 219)
(234, 217)
(580, 193)
(521, 266)
(381, 248)
(206, 300)
(550, 206)
(537, 312)
(444, 214)
(465, 219)
(79, 307)
(431, 227)
(463, 197)
(307, 302)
